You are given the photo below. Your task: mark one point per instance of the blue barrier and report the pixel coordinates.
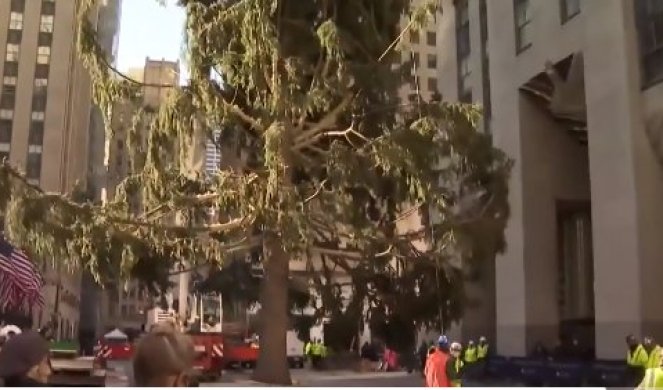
(543, 372)
(531, 372)
(499, 367)
(566, 374)
(607, 374)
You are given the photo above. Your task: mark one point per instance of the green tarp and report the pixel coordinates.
(64, 346)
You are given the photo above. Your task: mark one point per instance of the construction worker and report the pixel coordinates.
(439, 368)
(457, 361)
(470, 356)
(653, 376)
(307, 350)
(482, 348)
(482, 356)
(636, 361)
(317, 353)
(653, 352)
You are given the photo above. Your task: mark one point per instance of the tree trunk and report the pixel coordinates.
(272, 365)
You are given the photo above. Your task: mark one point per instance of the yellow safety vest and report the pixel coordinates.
(653, 379)
(471, 355)
(654, 359)
(638, 358)
(459, 366)
(482, 351)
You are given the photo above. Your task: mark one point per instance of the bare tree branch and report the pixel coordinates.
(328, 121)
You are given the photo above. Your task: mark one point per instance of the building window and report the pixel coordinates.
(17, 6)
(12, 52)
(569, 9)
(9, 80)
(414, 36)
(432, 84)
(431, 38)
(48, 7)
(33, 166)
(41, 83)
(36, 135)
(463, 48)
(523, 24)
(485, 65)
(431, 61)
(11, 69)
(39, 102)
(44, 39)
(37, 116)
(415, 60)
(43, 55)
(649, 16)
(15, 21)
(46, 23)
(5, 131)
(41, 71)
(14, 36)
(35, 148)
(8, 98)
(6, 114)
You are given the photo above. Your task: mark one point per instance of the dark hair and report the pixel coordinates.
(162, 353)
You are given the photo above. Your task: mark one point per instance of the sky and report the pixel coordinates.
(148, 29)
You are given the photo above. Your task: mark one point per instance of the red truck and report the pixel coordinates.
(240, 353)
(210, 355)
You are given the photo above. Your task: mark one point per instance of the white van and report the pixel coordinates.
(295, 350)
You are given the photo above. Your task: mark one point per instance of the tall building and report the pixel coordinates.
(572, 92)
(45, 115)
(123, 306)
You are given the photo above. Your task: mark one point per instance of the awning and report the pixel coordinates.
(116, 334)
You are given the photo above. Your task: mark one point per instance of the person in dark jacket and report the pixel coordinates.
(24, 361)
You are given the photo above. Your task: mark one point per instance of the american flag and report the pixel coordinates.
(20, 282)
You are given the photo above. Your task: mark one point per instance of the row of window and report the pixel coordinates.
(523, 19)
(46, 22)
(13, 51)
(431, 60)
(649, 18)
(431, 37)
(463, 50)
(40, 86)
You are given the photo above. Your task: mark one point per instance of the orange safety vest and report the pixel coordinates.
(436, 370)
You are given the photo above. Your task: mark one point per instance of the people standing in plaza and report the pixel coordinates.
(636, 361)
(24, 361)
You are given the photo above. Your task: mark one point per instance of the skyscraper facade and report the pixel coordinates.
(45, 116)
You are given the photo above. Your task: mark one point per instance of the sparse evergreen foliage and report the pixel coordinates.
(332, 160)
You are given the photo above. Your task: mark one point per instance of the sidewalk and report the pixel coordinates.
(309, 378)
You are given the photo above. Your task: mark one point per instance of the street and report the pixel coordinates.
(327, 379)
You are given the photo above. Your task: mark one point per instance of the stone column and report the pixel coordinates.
(510, 278)
(625, 178)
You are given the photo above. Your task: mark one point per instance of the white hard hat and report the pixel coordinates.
(483, 339)
(456, 346)
(4, 332)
